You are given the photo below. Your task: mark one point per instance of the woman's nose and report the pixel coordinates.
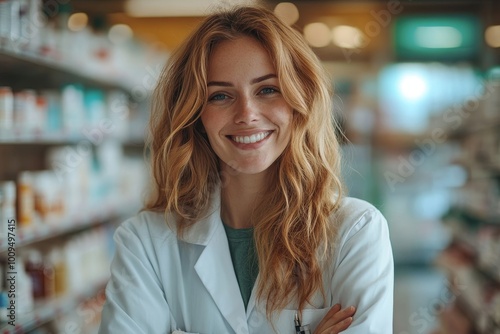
(246, 111)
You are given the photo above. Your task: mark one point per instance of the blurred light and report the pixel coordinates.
(120, 33)
(432, 204)
(166, 8)
(347, 37)
(451, 176)
(77, 21)
(438, 37)
(492, 36)
(287, 12)
(412, 86)
(317, 34)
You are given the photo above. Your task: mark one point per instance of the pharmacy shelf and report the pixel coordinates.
(56, 138)
(489, 270)
(48, 310)
(474, 129)
(471, 298)
(468, 216)
(461, 233)
(482, 169)
(107, 212)
(482, 318)
(16, 63)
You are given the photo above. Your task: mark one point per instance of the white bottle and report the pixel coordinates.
(7, 207)
(24, 292)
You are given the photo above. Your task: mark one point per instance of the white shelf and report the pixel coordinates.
(102, 76)
(14, 138)
(22, 69)
(48, 310)
(26, 236)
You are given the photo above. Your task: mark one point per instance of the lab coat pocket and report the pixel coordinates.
(311, 317)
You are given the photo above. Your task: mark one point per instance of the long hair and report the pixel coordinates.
(292, 228)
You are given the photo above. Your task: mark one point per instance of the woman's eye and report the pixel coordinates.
(218, 97)
(268, 90)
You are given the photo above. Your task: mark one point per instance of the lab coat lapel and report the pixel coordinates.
(215, 269)
(251, 301)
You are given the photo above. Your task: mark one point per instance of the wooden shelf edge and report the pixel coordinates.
(26, 237)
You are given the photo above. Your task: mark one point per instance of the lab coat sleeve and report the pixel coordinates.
(364, 277)
(135, 301)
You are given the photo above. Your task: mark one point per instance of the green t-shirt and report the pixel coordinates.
(244, 257)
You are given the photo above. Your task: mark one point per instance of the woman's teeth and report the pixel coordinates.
(251, 139)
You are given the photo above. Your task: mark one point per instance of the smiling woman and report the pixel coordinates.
(247, 230)
(247, 120)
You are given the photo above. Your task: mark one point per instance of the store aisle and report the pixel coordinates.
(417, 304)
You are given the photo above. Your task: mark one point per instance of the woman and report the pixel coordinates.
(248, 226)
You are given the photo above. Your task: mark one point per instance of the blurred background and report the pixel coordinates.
(417, 93)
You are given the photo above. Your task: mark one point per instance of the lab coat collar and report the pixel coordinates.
(215, 270)
(202, 231)
(215, 267)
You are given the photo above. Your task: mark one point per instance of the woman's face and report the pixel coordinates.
(247, 121)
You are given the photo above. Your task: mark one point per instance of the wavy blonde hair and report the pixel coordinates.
(292, 227)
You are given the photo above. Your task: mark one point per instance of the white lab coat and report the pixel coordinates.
(160, 283)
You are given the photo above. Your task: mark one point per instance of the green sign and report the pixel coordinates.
(441, 38)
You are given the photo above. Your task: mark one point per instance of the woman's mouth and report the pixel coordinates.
(255, 138)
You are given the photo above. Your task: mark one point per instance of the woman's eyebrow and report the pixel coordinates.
(220, 83)
(262, 78)
(253, 81)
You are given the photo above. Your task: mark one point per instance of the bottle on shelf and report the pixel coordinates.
(24, 290)
(6, 110)
(7, 206)
(25, 200)
(4, 300)
(25, 111)
(56, 260)
(41, 272)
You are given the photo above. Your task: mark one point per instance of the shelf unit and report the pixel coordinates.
(59, 138)
(22, 150)
(59, 71)
(47, 310)
(471, 284)
(79, 222)
(472, 259)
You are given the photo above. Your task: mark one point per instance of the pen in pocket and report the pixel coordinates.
(299, 329)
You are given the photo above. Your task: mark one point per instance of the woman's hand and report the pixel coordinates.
(336, 320)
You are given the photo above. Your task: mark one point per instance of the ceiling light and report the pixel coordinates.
(287, 12)
(77, 21)
(165, 8)
(317, 34)
(439, 37)
(492, 36)
(347, 37)
(412, 87)
(120, 33)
